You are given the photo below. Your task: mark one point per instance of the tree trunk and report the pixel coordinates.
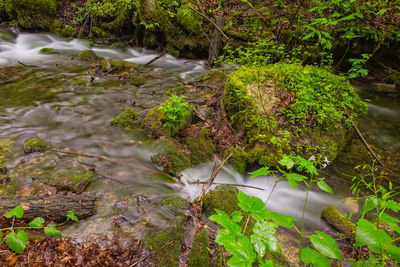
(50, 208)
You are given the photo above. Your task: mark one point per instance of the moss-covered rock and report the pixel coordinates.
(291, 109)
(75, 179)
(215, 78)
(171, 156)
(69, 31)
(222, 198)
(126, 119)
(6, 148)
(33, 14)
(201, 147)
(89, 55)
(188, 19)
(199, 254)
(9, 72)
(168, 118)
(337, 221)
(36, 145)
(47, 50)
(238, 160)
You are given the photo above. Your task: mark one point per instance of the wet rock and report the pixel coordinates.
(9, 72)
(36, 145)
(74, 179)
(384, 88)
(6, 148)
(199, 253)
(48, 51)
(126, 119)
(89, 55)
(201, 147)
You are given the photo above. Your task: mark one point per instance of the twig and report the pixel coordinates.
(154, 252)
(156, 58)
(212, 22)
(240, 185)
(364, 141)
(83, 26)
(212, 178)
(388, 162)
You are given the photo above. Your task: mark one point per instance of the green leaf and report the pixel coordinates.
(393, 206)
(268, 263)
(1, 236)
(71, 215)
(18, 212)
(287, 162)
(308, 165)
(37, 222)
(369, 204)
(243, 253)
(225, 221)
(17, 241)
(326, 245)
(263, 238)
(283, 220)
(368, 235)
(261, 172)
(237, 216)
(309, 255)
(393, 251)
(324, 186)
(254, 205)
(51, 230)
(292, 178)
(393, 222)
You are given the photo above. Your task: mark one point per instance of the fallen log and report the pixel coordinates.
(51, 208)
(337, 222)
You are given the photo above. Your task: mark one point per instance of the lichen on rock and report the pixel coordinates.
(36, 145)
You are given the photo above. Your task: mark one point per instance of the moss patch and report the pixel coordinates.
(47, 50)
(34, 14)
(341, 224)
(36, 145)
(89, 55)
(75, 180)
(201, 147)
(199, 254)
(9, 72)
(6, 148)
(222, 198)
(238, 159)
(69, 31)
(126, 119)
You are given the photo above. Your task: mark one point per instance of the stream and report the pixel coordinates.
(57, 102)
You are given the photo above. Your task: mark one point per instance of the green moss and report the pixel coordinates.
(168, 118)
(276, 257)
(199, 254)
(121, 64)
(342, 224)
(6, 148)
(188, 19)
(89, 55)
(75, 180)
(238, 160)
(9, 72)
(36, 145)
(170, 156)
(222, 198)
(48, 51)
(214, 78)
(201, 147)
(69, 31)
(105, 65)
(126, 119)
(34, 14)
(175, 203)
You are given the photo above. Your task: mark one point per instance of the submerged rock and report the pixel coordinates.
(36, 145)
(9, 72)
(291, 109)
(75, 179)
(47, 50)
(126, 119)
(89, 55)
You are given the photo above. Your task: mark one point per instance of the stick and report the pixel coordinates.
(212, 22)
(156, 58)
(364, 141)
(240, 185)
(212, 178)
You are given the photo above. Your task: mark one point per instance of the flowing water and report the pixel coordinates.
(56, 101)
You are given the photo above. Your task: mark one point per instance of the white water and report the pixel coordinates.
(25, 48)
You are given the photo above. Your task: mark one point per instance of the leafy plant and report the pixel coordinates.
(17, 240)
(176, 112)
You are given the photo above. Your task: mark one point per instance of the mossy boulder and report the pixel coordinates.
(126, 119)
(69, 31)
(89, 55)
(238, 160)
(168, 118)
(214, 77)
(199, 254)
(171, 156)
(36, 145)
(291, 109)
(188, 19)
(74, 179)
(202, 147)
(222, 198)
(338, 222)
(47, 50)
(33, 14)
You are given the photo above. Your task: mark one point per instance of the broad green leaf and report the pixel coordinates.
(393, 251)
(307, 165)
(369, 204)
(239, 260)
(254, 205)
(226, 239)
(51, 230)
(37, 222)
(17, 241)
(293, 178)
(225, 221)
(287, 162)
(1, 236)
(283, 220)
(268, 263)
(71, 215)
(18, 212)
(326, 245)
(393, 222)
(309, 255)
(393, 206)
(263, 238)
(243, 252)
(368, 235)
(324, 186)
(262, 171)
(236, 216)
